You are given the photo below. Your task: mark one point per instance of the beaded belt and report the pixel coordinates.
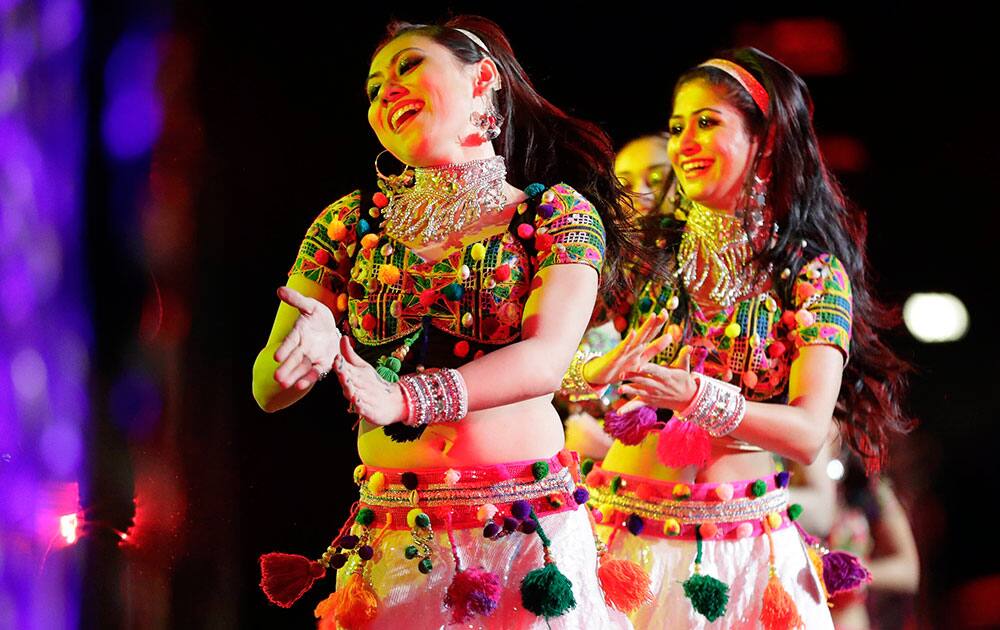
(669, 509)
(468, 496)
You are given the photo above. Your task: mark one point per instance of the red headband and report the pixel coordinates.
(744, 78)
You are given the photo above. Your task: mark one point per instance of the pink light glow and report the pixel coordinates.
(67, 527)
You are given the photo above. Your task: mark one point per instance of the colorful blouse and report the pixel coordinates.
(475, 295)
(753, 342)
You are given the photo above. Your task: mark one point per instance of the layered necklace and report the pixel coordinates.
(446, 199)
(716, 253)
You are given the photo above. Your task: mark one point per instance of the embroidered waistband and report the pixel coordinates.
(670, 509)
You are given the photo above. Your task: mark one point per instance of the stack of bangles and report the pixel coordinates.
(717, 407)
(434, 396)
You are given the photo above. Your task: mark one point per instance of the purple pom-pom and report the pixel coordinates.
(529, 526)
(782, 479)
(491, 530)
(510, 523)
(348, 542)
(365, 552)
(631, 427)
(581, 495)
(843, 572)
(546, 210)
(634, 524)
(520, 509)
(473, 592)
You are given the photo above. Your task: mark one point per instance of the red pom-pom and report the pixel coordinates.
(525, 230)
(461, 349)
(321, 256)
(620, 324)
(779, 611)
(501, 273)
(594, 478)
(625, 585)
(473, 592)
(285, 577)
(543, 242)
(428, 297)
(380, 200)
(682, 444)
(788, 319)
(368, 322)
(776, 350)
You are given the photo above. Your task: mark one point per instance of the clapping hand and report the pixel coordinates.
(663, 387)
(636, 349)
(307, 353)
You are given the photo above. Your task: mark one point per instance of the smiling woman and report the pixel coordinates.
(463, 287)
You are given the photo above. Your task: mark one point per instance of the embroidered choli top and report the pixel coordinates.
(467, 303)
(758, 351)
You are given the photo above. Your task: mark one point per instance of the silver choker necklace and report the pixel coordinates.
(445, 200)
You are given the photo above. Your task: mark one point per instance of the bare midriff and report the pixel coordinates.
(525, 430)
(724, 463)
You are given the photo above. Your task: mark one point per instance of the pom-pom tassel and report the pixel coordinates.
(632, 426)
(709, 596)
(473, 592)
(778, 611)
(351, 608)
(546, 591)
(625, 584)
(683, 443)
(285, 577)
(843, 572)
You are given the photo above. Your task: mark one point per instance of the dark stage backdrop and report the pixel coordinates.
(281, 110)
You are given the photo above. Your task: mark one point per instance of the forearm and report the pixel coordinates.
(897, 573)
(791, 431)
(521, 371)
(268, 393)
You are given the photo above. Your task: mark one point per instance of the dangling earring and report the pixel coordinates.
(393, 182)
(758, 210)
(489, 121)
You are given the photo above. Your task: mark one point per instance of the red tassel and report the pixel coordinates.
(286, 577)
(625, 585)
(779, 611)
(683, 443)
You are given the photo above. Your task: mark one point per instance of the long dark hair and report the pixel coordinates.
(813, 216)
(539, 141)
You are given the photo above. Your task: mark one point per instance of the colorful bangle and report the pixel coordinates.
(574, 385)
(432, 397)
(717, 407)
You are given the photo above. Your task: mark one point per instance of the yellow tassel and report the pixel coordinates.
(817, 562)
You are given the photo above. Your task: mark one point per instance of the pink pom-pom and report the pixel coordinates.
(473, 592)
(682, 444)
(631, 427)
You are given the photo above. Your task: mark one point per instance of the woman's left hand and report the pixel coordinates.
(664, 387)
(375, 399)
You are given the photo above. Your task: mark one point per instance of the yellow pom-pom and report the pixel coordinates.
(376, 483)
(733, 330)
(359, 473)
(681, 491)
(411, 517)
(607, 511)
(774, 520)
(679, 215)
(342, 302)
(336, 230)
(388, 274)
(671, 527)
(478, 251)
(368, 241)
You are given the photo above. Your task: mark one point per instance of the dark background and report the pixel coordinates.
(275, 129)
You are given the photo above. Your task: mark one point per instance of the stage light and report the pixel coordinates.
(835, 469)
(67, 527)
(935, 317)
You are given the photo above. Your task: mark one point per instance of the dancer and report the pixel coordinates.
(465, 286)
(761, 281)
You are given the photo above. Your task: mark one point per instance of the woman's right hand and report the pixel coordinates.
(308, 351)
(636, 349)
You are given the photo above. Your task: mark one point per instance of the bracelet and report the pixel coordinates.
(717, 407)
(434, 396)
(574, 384)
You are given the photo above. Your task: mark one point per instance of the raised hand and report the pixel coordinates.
(637, 348)
(663, 387)
(308, 351)
(375, 399)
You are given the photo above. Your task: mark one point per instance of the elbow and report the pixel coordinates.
(809, 450)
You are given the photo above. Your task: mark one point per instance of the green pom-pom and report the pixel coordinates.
(453, 291)
(422, 520)
(533, 189)
(708, 595)
(411, 552)
(425, 566)
(547, 592)
(758, 488)
(794, 511)
(394, 364)
(365, 517)
(387, 375)
(586, 466)
(616, 483)
(540, 470)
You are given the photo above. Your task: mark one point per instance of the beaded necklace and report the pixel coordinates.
(445, 200)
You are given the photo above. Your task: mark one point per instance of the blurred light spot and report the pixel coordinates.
(27, 371)
(16, 182)
(5, 458)
(17, 300)
(67, 528)
(136, 404)
(810, 46)
(60, 23)
(835, 469)
(61, 448)
(935, 317)
(9, 89)
(44, 259)
(133, 115)
(844, 153)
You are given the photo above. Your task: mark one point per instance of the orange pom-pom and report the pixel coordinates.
(779, 611)
(805, 291)
(336, 230)
(369, 241)
(625, 585)
(388, 274)
(380, 200)
(357, 604)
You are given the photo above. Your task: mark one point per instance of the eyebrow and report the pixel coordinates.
(391, 62)
(698, 111)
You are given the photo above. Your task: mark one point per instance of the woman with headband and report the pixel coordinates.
(761, 279)
(464, 286)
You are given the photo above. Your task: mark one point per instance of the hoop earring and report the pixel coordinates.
(489, 121)
(393, 182)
